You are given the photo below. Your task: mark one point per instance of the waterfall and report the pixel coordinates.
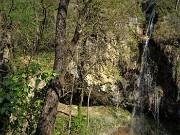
(150, 27)
(146, 94)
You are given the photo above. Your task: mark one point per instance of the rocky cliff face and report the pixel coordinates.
(167, 77)
(111, 63)
(110, 58)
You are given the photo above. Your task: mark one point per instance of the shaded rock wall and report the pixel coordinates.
(164, 53)
(166, 66)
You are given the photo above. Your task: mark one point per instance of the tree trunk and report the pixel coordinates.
(49, 112)
(81, 17)
(5, 53)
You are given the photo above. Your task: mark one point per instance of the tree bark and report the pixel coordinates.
(49, 112)
(5, 53)
(81, 16)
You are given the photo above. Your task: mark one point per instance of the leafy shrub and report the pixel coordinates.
(21, 102)
(79, 125)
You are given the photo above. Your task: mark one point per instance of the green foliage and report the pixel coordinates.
(115, 14)
(168, 20)
(21, 101)
(102, 120)
(26, 25)
(61, 126)
(79, 125)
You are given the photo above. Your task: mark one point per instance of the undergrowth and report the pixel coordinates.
(97, 123)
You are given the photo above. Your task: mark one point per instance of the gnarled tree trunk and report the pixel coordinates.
(49, 112)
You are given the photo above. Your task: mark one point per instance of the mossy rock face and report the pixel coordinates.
(110, 53)
(112, 60)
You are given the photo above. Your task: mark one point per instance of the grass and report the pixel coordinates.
(21, 61)
(102, 120)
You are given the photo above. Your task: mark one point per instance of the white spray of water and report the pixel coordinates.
(148, 94)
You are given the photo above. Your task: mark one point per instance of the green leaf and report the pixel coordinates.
(8, 97)
(23, 75)
(19, 94)
(15, 78)
(3, 110)
(38, 81)
(47, 72)
(7, 82)
(1, 100)
(17, 89)
(54, 74)
(39, 102)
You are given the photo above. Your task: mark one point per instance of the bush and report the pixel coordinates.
(20, 101)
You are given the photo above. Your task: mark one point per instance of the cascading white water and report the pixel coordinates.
(148, 94)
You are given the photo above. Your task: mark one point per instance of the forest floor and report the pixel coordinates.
(103, 120)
